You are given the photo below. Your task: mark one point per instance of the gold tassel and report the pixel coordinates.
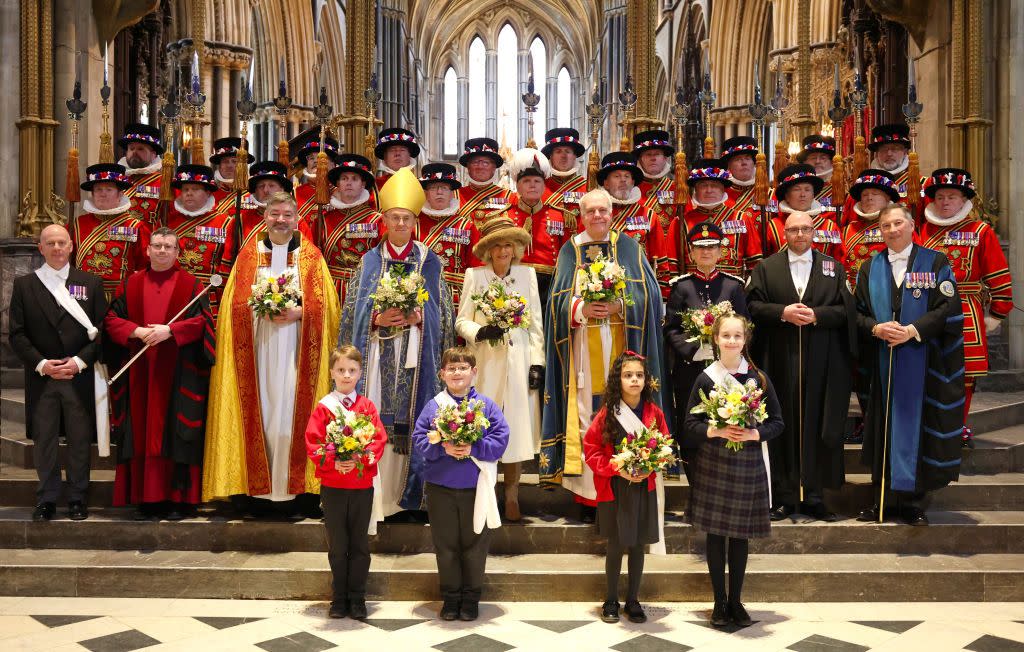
(592, 168)
(323, 192)
(860, 156)
(838, 181)
(282, 152)
(167, 176)
(71, 190)
(624, 143)
(368, 143)
(242, 169)
(682, 172)
(781, 159)
(106, 148)
(709, 147)
(913, 180)
(761, 187)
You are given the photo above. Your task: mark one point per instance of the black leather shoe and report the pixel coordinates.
(44, 511)
(588, 514)
(739, 615)
(77, 511)
(870, 514)
(818, 512)
(635, 612)
(338, 609)
(782, 512)
(174, 514)
(610, 611)
(720, 615)
(914, 516)
(450, 610)
(357, 609)
(470, 610)
(141, 513)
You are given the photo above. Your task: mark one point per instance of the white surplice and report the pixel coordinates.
(503, 371)
(277, 349)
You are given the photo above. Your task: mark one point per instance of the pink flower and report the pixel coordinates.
(470, 416)
(652, 443)
(630, 437)
(347, 431)
(744, 399)
(607, 283)
(281, 280)
(453, 426)
(709, 319)
(754, 404)
(516, 320)
(329, 447)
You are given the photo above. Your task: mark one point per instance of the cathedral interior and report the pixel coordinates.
(77, 72)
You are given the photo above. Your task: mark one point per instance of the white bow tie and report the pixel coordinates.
(894, 257)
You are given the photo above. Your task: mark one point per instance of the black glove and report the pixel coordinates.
(536, 376)
(489, 333)
(401, 440)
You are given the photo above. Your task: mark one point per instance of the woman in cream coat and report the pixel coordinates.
(510, 365)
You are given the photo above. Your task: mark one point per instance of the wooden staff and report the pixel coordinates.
(800, 404)
(215, 281)
(885, 434)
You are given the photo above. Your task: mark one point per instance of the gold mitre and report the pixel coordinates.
(402, 190)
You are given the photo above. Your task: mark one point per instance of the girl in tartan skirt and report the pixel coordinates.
(730, 492)
(627, 505)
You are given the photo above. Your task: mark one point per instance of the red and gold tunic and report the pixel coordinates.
(547, 230)
(742, 198)
(901, 186)
(827, 238)
(343, 236)
(563, 193)
(659, 197)
(202, 241)
(979, 265)
(743, 251)
(145, 196)
(110, 246)
(309, 210)
(478, 203)
(451, 238)
(861, 240)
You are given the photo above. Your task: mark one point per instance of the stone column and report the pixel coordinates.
(463, 104)
(551, 101)
(1009, 98)
(491, 85)
(524, 75)
(10, 41)
(360, 60)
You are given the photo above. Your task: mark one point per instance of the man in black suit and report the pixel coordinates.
(55, 316)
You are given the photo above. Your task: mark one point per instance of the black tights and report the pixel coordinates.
(613, 567)
(738, 550)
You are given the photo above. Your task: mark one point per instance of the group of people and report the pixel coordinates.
(218, 399)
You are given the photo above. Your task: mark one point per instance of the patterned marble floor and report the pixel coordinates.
(120, 625)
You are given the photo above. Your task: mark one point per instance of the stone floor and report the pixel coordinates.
(115, 625)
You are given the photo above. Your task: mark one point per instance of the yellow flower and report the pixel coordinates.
(499, 303)
(276, 297)
(621, 285)
(422, 296)
(350, 444)
(434, 437)
(595, 268)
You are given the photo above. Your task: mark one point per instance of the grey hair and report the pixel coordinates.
(893, 206)
(596, 195)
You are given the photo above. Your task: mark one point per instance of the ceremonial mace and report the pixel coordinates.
(885, 433)
(758, 111)
(170, 113)
(627, 100)
(215, 281)
(372, 97)
(859, 100)
(707, 98)
(530, 100)
(76, 109)
(912, 112)
(322, 111)
(596, 112)
(780, 157)
(283, 104)
(838, 114)
(196, 99)
(246, 108)
(106, 142)
(680, 116)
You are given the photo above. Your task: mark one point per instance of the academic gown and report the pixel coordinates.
(927, 383)
(159, 427)
(824, 349)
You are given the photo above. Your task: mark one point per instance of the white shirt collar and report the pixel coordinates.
(61, 273)
(807, 256)
(905, 252)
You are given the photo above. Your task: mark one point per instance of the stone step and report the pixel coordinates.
(113, 529)
(1000, 492)
(12, 378)
(530, 577)
(12, 406)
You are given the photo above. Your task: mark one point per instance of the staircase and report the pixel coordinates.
(973, 551)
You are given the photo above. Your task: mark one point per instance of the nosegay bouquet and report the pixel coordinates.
(459, 424)
(503, 308)
(697, 322)
(348, 436)
(400, 289)
(603, 280)
(643, 452)
(272, 295)
(735, 405)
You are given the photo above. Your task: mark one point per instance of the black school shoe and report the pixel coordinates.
(739, 615)
(44, 511)
(357, 609)
(635, 612)
(450, 610)
(77, 511)
(610, 611)
(338, 609)
(720, 615)
(781, 512)
(470, 610)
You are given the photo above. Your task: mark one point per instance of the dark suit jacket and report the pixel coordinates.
(41, 330)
